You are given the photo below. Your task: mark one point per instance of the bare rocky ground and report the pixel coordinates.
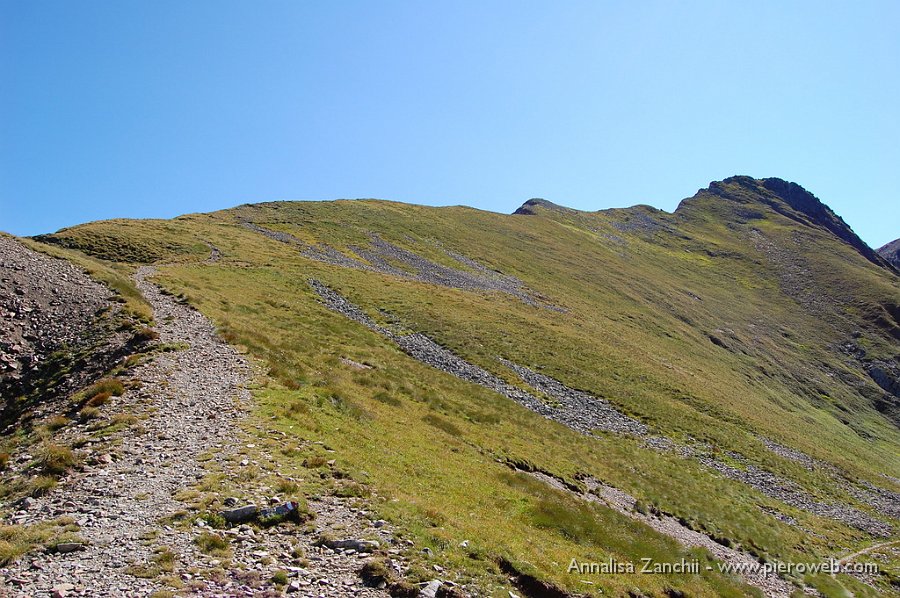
(44, 303)
(47, 304)
(189, 403)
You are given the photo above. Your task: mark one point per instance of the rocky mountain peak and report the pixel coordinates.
(891, 253)
(530, 207)
(793, 201)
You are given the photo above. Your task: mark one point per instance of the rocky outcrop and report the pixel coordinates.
(884, 373)
(818, 213)
(536, 204)
(792, 201)
(891, 253)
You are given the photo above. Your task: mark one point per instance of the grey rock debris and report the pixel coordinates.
(588, 414)
(381, 256)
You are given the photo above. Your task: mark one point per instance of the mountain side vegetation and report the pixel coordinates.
(750, 318)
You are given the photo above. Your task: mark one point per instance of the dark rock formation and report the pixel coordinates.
(891, 253)
(530, 207)
(794, 202)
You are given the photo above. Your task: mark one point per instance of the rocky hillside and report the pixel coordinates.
(469, 403)
(891, 253)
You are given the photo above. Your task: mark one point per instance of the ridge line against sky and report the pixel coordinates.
(135, 109)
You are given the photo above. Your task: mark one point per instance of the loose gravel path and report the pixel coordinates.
(189, 402)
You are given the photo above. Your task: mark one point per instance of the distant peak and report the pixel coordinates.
(531, 207)
(794, 202)
(891, 253)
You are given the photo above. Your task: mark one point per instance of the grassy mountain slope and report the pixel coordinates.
(746, 315)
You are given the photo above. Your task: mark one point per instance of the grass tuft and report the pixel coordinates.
(98, 399)
(212, 544)
(55, 459)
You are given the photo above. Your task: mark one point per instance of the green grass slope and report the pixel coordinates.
(749, 313)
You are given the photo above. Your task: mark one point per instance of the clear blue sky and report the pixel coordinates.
(157, 108)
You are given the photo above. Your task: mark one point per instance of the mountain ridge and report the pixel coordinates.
(787, 198)
(513, 392)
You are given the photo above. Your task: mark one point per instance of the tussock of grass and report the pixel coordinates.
(88, 413)
(57, 422)
(145, 335)
(287, 487)
(40, 485)
(17, 540)
(98, 399)
(162, 561)
(213, 544)
(314, 462)
(110, 386)
(55, 459)
(124, 419)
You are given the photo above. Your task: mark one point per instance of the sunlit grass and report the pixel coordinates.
(636, 331)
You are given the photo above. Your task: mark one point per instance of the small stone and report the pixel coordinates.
(430, 590)
(61, 590)
(355, 545)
